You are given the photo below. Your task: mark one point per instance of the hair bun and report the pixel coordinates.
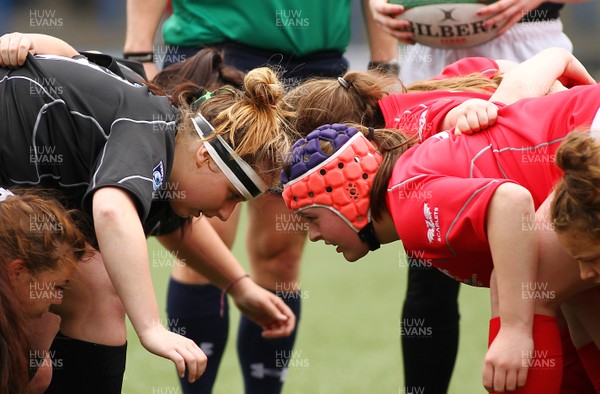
(579, 158)
(262, 87)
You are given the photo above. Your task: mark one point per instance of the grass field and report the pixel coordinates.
(349, 339)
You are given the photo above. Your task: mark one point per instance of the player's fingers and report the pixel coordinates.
(196, 363)
(483, 120)
(522, 376)
(492, 115)
(511, 380)
(202, 360)
(499, 378)
(457, 131)
(25, 46)
(189, 362)
(388, 9)
(179, 362)
(509, 23)
(473, 121)
(4, 43)
(462, 124)
(13, 50)
(488, 376)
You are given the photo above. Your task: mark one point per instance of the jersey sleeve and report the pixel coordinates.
(469, 65)
(443, 219)
(136, 159)
(421, 114)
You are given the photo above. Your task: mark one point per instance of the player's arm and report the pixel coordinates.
(143, 18)
(385, 15)
(14, 47)
(514, 248)
(123, 247)
(537, 76)
(382, 46)
(204, 251)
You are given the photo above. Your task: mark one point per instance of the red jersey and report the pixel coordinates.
(440, 189)
(423, 113)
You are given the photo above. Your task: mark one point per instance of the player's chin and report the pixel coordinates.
(354, 255)
(179, 210)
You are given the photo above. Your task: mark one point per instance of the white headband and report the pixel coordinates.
(239, 173)
(4, 193)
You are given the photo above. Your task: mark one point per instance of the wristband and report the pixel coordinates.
(142, 57)
(226, 289)
(391, 67)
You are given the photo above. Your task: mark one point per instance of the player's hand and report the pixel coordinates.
(264, 308)
(385, 15)
(506, 363)
(471, 116)
(182, 351)
(14, 48)
(506, 13)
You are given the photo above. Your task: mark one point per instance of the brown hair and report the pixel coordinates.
(251, 120)
(184, 82)
(576, 204)
(320, 101)
(38, 230)
(324, 100)
(14, 345)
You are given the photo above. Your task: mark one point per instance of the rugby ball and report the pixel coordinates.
(447, 23)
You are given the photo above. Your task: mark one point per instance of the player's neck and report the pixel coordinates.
(385, 229)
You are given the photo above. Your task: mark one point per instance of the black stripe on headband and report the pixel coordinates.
(207, 130)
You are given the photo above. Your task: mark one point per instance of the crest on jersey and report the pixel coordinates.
(158, 174)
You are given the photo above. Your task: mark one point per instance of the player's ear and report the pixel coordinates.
(17, 271)
(202, 156)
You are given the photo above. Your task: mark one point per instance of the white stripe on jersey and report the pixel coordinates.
(143, 121)
(135, 177)
(6, 78)
(85, 62)
(41, 112)
(405, 181)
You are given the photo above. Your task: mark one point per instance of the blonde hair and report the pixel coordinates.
(468, 83)
(251, 121)
(576, 204)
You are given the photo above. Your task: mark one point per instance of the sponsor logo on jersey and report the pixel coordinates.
(158, 174)
(432, 222)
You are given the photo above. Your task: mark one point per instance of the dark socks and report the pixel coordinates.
(193, 312)
(85, 367)
(264, 362)
(429, 329)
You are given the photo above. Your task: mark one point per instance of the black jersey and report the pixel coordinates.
(70, 125)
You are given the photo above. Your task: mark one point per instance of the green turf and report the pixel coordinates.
(349, 338)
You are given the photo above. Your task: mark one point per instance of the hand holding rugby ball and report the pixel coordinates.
(447, 23)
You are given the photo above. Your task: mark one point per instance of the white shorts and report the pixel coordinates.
(519, 43)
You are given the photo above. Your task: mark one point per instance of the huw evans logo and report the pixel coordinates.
(290, 19)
